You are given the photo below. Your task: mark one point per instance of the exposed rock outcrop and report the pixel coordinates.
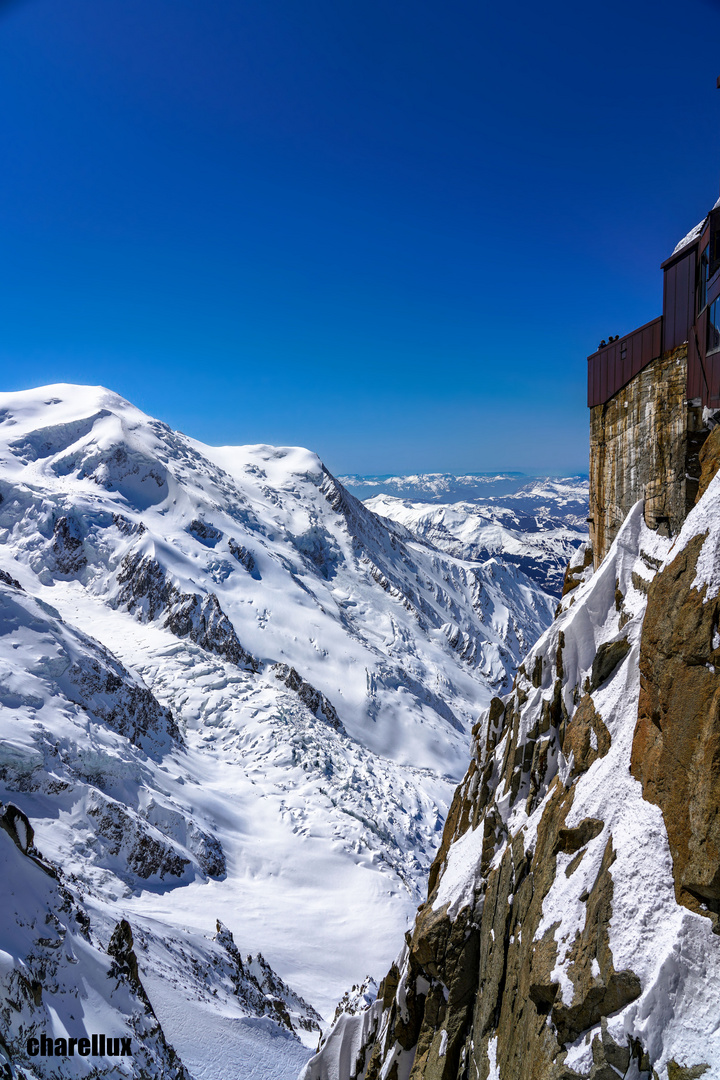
(52, 957)
(8, 579)
(146, 588)
(243, 556)
(357, 998)
(17, 825)
(124, 970)
(125, 841)
(259, 987)
(316, 701)
(203, 531)
(578, 569)
(676, 749)
(66, 547)
(586, 736)
(709, 461)
(159, 844)
(104, 687)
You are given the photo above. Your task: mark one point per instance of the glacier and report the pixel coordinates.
(235, 704)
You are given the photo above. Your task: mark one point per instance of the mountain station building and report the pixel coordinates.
(652, 393)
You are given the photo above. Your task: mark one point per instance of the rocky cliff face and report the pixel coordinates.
(644, 444)
(570, 928)
(676, 749)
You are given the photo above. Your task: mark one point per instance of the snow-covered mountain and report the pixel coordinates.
(534, 523)
(234, 705)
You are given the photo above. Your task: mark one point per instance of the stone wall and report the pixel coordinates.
(644, 444)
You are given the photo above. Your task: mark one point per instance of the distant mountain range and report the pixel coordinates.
(534, 523)
(457, 487)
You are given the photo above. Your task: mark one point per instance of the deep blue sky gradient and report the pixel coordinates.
(389, 232)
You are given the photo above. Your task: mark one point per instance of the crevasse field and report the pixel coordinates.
(230, 691)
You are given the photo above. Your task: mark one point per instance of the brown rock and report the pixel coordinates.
(586, 722)
(573, 864)
(571, 840)
(388, 987)
(17, 825)
(596, 995)
(676, 746)
(709, 461)
(575, 569)
(606, 660)
(685, 1072)
(515, 987)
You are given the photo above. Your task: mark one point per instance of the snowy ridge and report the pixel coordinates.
(225, 682)
(532, 493)
(435, 487)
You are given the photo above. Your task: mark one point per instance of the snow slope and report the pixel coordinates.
(232, 692)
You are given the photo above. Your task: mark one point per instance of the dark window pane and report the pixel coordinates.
(713, 329)
(714, 254)
(704, 275)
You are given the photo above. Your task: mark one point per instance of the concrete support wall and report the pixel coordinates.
(644, 444)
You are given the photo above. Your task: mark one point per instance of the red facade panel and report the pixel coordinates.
(652, 344)
(703, 371)
(683, 316)
(696, 383)
(612, 367)
(698, 386)
(668, 306)
(679, 298)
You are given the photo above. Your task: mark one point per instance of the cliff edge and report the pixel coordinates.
(571, 926)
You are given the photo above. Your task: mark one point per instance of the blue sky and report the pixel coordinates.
(389, 232)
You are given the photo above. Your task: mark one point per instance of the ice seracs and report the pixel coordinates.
(232, 695)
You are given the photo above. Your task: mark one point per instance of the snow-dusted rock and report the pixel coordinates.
(57, 981)
(569, 929)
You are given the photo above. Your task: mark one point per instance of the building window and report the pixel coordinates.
(713, 327)
(704, 277)
(714, 253)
